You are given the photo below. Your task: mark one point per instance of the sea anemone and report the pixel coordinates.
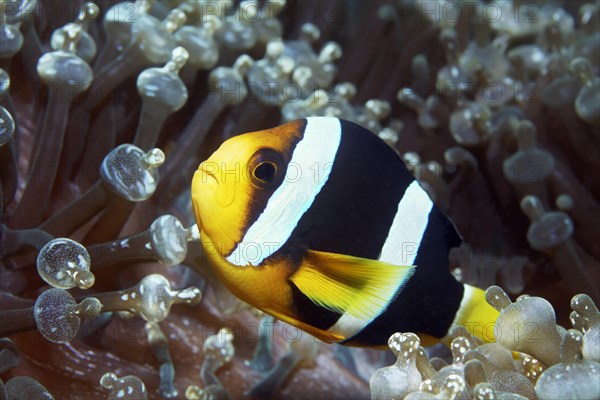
(548, 361)
(107, 108)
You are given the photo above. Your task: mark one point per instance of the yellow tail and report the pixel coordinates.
(476, 315)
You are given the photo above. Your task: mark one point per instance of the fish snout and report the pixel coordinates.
(207, 171)
(209, 184)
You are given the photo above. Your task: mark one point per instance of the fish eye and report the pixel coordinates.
(264, 167)
(265, 171)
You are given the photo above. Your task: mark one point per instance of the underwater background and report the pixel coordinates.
(107, 108)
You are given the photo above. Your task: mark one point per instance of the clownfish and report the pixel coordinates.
(319, 223)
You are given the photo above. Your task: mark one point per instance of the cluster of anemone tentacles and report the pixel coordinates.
(532, 358)
(106, 109)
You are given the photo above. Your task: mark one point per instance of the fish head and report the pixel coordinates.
(232, 187)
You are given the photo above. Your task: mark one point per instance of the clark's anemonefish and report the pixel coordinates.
(319, 223)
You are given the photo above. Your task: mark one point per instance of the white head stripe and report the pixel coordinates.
(313, 156)
(404, 237)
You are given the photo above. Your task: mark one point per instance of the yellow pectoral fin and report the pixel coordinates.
(357, 286)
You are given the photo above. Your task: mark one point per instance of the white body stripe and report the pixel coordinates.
(314, 154)
(400, 247)
(405, 234)
(349, 326)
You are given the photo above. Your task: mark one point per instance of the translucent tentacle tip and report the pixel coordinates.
(309, 33)
(533, 368)
(547, 229)
(372, 113)
(317, 103)
(229, 82)
(238, 32)
(11, 37)
(564, 202)
(398, 380)
(179, 57)
(412, 161)
(535, 323)
(572, 377)
(424, 364)
(586, 103)
(330, 52)
(200, 42)
(157, 297)
(117, 19)
(63, 67)
(86, 46)
(169, 239)
(58, 316)
(174, 20)
(213, 392)
(517, 168)
(378, 109)
(583, 69)
(484, 391)
(162, 85)
(64, 263)
(428, 386)
(452, 387)
(218, 350)
(409, 98)
(9, 354)
(131, 172)
(273, 70)
(89, 12)
(4, 82)
(471, 126)
(404, 345)
(432, 113)
(588, 317)
(391, 133)
(570, 348)
(459, 348)
(7, 126)
(474, 371)
(25, 387)
(129, 387)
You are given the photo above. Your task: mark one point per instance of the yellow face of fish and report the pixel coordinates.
(231, 188)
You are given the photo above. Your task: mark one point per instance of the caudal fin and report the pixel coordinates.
(476, 315)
